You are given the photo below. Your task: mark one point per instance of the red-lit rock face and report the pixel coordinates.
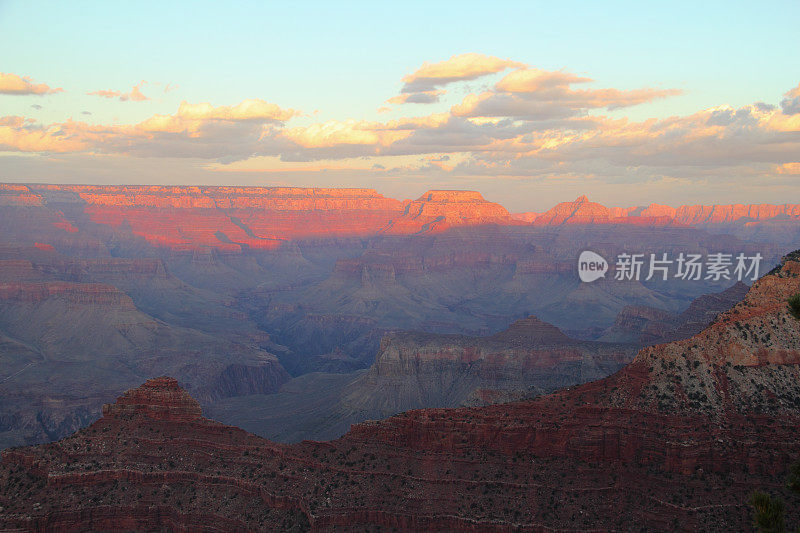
(582, 211)
(230, 219)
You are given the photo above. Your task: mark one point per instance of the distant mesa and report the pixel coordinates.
(234, 219)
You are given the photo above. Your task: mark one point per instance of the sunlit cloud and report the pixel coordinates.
(15, 84)
(195, 130)
(792, 169)
(134, 95)
(424, 86)
(536, 94)
(529, 124)
(25, 135)
(253, 109)
(105, 93)
(458, 68)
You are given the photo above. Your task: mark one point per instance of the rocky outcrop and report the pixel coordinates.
(646, 325)
(439, 210)
(640, 325)
(71, 347)
(94, 294)
(159, 399)
(582, 211)
(415, 370)
(703, 311)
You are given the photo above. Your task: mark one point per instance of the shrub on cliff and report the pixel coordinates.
(769, 513)
(794, 306)
(793, 480)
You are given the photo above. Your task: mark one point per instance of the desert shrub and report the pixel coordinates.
(794, 306)
(793, 480)
(769, 513)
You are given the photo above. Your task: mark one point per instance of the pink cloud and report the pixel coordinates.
(135, 94)
(14, 84)
(105, 93)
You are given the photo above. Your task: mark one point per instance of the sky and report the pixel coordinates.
(530, 103)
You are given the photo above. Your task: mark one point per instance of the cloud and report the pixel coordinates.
(789, 168)
(14, 84)
(24, 135)
(533, 80)
(134, 95)
(195, 130)
(422, 97)
(253, 109)
(105, 93)
(791, 103)
(531, 124)
(535, 94)
(462, 67)
(424, 85)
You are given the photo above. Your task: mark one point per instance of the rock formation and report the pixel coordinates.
(232, 219)
(645, 325)
(676, 440)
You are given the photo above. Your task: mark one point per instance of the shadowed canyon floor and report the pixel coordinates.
(675, 440)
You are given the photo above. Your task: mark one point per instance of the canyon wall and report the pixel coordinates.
(676, 440)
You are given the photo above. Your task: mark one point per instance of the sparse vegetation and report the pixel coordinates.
(794, 306)
(770, 511)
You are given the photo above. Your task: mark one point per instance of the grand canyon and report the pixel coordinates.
(676, 439)
(487, 267)
(369, 363)
(295, 313)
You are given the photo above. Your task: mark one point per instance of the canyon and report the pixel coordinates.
(677, 439)
(414, 370)
(251, 296)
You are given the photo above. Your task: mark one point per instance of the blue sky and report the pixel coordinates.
(343, 61)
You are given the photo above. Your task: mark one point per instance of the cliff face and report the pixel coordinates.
(68, 347)
(637, 450)
(439, 210)
(645, 325)
(582, 211)
(231, 219)
(414, 370)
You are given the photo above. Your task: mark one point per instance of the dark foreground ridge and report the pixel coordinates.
(678, 439)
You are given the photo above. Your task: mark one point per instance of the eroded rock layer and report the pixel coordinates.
(677, 440)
